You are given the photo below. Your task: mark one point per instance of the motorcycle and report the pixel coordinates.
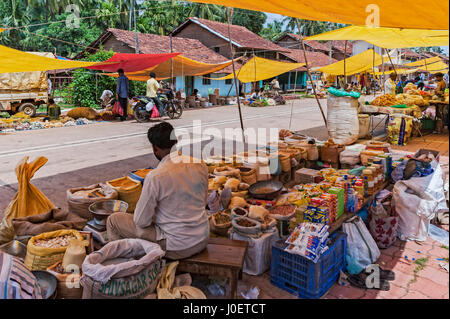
(143, 106)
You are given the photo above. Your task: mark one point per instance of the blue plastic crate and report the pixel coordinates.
(303, 278)
(138, 178)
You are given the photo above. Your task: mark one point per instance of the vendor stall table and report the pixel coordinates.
(222, 257)
(346, 216)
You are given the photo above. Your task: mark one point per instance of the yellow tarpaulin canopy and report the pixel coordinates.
(441, 71)
(17, 61)
(398, 71)
(257, 69)
(435, 66)
(355, 64)
(388, 38)
(423, 62)
(182, 66)
(412, 14)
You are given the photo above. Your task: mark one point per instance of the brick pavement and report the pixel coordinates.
(431, 282)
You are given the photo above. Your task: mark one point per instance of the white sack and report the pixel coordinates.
(123, 248)
(417, 201)
(342, 119)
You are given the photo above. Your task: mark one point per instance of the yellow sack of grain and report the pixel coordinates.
(83, 112)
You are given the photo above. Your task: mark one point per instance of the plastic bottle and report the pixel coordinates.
(366, 186)
(359, 187)
(370, 181)
(374, 178)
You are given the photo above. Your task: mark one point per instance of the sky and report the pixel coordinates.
(271, 17)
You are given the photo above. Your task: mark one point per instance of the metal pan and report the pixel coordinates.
(15, 248)
(268, 190)
(47, 282)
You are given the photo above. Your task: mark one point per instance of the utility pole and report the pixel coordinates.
(135, 28)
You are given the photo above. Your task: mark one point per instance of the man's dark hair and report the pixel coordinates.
(439, 75)
(160, 135)
(120, 71)
(403, 77)
(152, 75)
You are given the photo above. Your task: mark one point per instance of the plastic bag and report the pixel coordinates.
(155, 112)
(28, 200)
(383, 226)
(361, 248)
(417, 201)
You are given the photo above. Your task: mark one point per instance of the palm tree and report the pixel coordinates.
(273, 31)
(208, 11)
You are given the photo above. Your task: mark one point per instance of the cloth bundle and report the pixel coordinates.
(54, 219)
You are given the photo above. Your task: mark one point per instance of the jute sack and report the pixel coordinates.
(79, 204)
(129, 191)
(219, 229)
(40, 258)
(103, 278)
(248, 175)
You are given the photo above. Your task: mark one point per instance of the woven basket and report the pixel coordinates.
(129, 191)
(68, 286)
(40, 258)
(285, 161)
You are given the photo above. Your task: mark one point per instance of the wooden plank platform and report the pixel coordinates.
(222, 257)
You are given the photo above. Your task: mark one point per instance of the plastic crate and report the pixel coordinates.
(303, 278)
(428, 124)
(136, 177)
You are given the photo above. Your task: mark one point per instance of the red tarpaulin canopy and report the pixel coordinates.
(131, 62)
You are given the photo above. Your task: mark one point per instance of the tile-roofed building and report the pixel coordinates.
(123, 41)
(214, 35)
(410, 55)
(290, 41)
(315, 59)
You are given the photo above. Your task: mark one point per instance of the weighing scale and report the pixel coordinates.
(98, 230)
(101, 210)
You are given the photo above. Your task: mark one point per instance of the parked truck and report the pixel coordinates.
(24, 91)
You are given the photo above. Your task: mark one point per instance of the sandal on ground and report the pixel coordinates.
(387, 275)
(359, 281)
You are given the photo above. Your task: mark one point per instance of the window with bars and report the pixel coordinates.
(206, 79)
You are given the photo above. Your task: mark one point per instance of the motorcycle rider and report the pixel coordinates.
(153, 87)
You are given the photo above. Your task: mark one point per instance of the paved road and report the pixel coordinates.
(73, 148)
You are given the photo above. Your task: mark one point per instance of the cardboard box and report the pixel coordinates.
(307, 175)
(330, 154)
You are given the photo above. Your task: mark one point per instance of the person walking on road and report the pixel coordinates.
(123, 88)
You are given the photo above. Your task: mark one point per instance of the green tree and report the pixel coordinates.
(211, 12)
(252, 20)
(88, 85)
(273, 31)
(161, 17)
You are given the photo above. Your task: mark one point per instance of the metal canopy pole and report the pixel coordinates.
(309, 73)
(345, 59)
(382, 66)
(389, 56)
(229, 13)
(373, 67)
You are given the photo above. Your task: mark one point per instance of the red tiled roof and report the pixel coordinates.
(241, 35)
(410, 54)
(311, 43)
(340, 45)
(152, 44)
(315, 59)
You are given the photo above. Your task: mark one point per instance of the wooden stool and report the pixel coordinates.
(222, 257)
